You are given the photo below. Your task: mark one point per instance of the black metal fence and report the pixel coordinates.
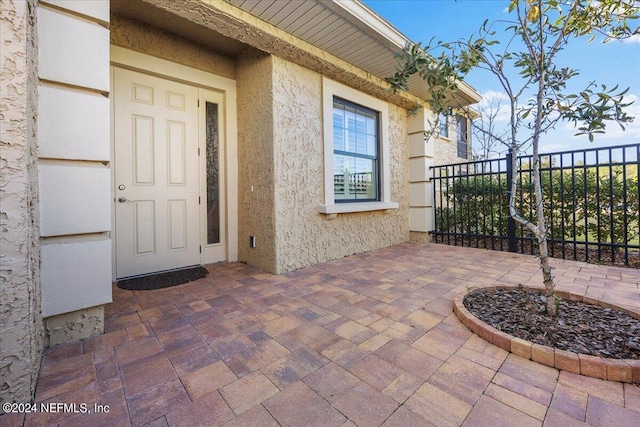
(591, 204)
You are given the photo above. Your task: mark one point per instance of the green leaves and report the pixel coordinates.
(541, 29)
(592, 109)
(442, 65)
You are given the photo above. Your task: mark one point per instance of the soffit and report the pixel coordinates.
(315, 23)
(347, 29)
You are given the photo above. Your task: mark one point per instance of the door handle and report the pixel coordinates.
(123, 199)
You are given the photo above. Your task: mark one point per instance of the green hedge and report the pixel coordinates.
(594, 199)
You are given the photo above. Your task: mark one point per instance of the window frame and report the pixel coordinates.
(462, 139)
(375, 157)
(331, 89)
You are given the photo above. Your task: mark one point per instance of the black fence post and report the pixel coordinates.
(511, 223)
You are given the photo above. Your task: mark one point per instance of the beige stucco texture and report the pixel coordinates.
(152, 41)
(304, 236)
(74, 326)
(256, 180)
(447, 151)
(20, 318)
(281, 173)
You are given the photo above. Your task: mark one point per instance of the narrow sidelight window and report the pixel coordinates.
(213, 174)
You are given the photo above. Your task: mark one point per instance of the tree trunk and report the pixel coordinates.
(539, 230)
(547, 279)
(541, 236)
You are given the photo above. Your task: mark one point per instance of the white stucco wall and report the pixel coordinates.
(92, 8)
(422, 152)
(71, 50)
(73, 124)
(74, 156)
(72, 198)
(68, 261)
(20, 319)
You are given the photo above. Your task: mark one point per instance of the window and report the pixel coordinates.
(463, 137)
(355, 152)
(213, 178)
(444, 125)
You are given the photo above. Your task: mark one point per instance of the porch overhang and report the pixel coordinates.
(345, 41)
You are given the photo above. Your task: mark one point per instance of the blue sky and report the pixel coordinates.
(612, 63)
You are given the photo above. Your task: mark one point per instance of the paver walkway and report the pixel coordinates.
(366, 340)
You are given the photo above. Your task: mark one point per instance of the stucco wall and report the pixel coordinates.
(256, 180)
(74, 326)
(304, 236)
(144, 38)
(20, 318)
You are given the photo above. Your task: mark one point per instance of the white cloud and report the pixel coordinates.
(494, 101)
(492, 96)
(633, 39)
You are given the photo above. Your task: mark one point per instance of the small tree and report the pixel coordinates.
(527, 69)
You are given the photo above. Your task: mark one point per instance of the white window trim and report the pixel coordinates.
(330, 89)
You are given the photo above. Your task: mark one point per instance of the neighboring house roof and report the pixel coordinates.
(346, 29)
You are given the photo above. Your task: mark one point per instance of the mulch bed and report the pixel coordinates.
(579, 327)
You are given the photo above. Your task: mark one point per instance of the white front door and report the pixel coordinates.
(157, 174)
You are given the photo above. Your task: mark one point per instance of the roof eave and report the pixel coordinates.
(383, 31)
(470, 94)
(375, 25)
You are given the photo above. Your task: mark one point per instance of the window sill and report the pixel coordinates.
(340, 208)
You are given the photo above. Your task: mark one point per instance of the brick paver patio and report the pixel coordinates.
(366, 340)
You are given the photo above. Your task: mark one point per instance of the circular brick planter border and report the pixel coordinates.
(623, 370)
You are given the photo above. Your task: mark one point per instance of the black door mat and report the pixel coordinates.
(163, 280)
